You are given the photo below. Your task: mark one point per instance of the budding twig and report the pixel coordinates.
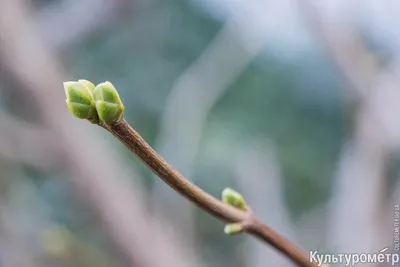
(233, 210)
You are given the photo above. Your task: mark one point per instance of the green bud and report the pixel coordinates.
(80, 101)
(89, 85)
(233, 198)
(233, 228)
(108, 104)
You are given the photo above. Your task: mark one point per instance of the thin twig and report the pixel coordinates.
(138, 146)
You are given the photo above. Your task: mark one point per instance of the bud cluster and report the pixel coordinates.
(94, 103)
(234, 199)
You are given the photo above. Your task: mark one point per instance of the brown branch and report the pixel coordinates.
(139, 147)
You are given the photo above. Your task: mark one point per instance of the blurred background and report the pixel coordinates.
(294, 103)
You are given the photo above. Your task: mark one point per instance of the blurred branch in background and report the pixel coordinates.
(364, 160)
(344, 47)
(260, 181)
(95, 171)
(353, 204)
(28, 143)
(193, 95)
(66, 21)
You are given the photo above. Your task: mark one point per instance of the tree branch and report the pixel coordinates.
(139, 147)
(346, 50)
(51, 19)
(28, 143)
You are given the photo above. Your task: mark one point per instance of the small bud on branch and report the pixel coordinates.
(233, 198)
(233, 228)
